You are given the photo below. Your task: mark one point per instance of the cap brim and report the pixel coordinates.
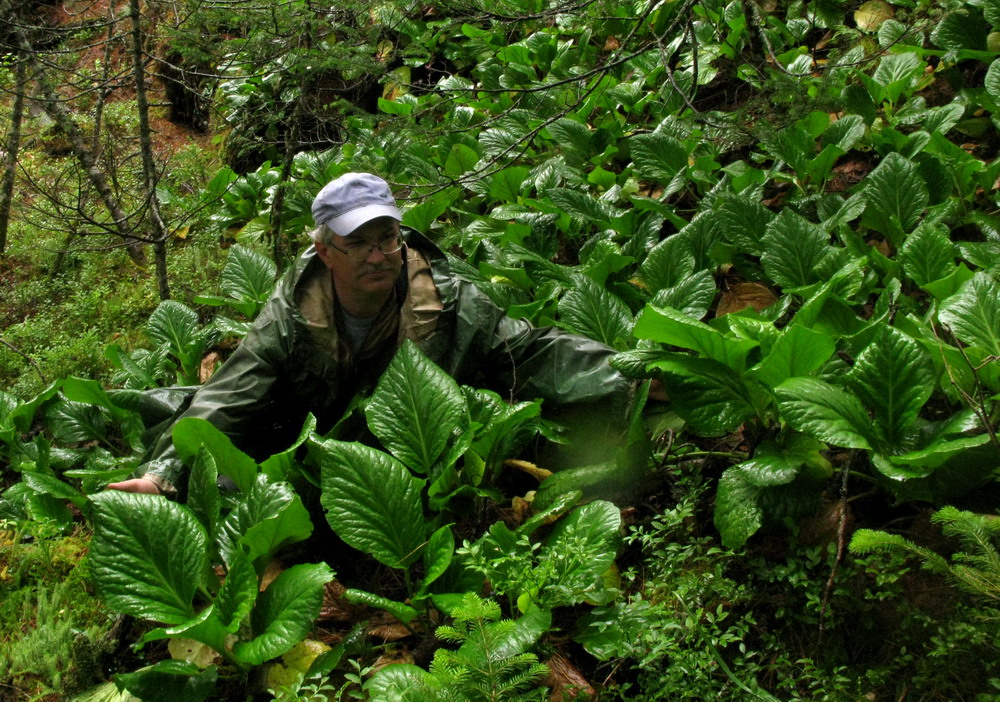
(346, 223)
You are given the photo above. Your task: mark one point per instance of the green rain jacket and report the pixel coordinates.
(286, 368)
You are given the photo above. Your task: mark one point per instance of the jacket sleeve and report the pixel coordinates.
(236, 400)
(563, 368)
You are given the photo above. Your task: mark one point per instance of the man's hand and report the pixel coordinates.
(140, 485)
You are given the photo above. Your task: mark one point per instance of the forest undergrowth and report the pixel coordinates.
(785, 211)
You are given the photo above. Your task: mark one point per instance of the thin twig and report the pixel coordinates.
(841, 547)
(26, 357)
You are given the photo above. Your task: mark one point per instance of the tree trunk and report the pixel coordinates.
(13, 145)
(160, 232)
(60, 114)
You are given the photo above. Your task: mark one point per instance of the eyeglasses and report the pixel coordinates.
(361, 251)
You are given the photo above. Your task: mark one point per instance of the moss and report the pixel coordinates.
(54, 633)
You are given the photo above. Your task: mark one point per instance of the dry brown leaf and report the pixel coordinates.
(531, 469)
(744, 295)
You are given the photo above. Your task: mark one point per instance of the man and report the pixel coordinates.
(338, 317)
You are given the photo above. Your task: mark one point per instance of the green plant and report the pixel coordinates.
(491, 663)
(170, 548)
(976, 569)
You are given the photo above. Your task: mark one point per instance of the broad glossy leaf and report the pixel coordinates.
(405, 682)
(825, 412)
(89, 392)
(285, 612)
(779, 463)
(76, 422)
(973, 314)
(204, 499)
(992, 80)
(897, 196)
(438, 554)
(248, 277)
(583, 207)
(938, 453)
(895, 73)
(372, 502)
(191, 434)
(505, 186)
(964, 28)
(927, 254)
(668, 326)
(658, 156)
(799, 351)
(584, 545)
(691, 297)
(744, 221)
(170, 681)
(46, 484)
(460, 159)
(574, 137)
(416, 408)
(238, 592)
(594, 311)
(712, 398)
(738, 514)
(667, 264)
(270, 516)
(400, 610)
(148, 555)
(893, 377)
(176, 325)
(525, 633)
(793, 248)
(278, 466)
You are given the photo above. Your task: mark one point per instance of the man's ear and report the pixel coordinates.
(324, 252)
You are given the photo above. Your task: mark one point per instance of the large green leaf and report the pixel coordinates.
(893, 377)
(574, 137)
(192, 433)
(825, 412)
(400, 610)
(285, 612)
(203, 497)
(372, 501)
(744, 221)
(170, 681)
(580, 548)
(595, 312)
(248, 279)
(668, 326)
(799, 351)
(658, 156)
(148, 556)
(175, 326)
(973, 314)
(928, 254)
(711, 397)
(238, 592)
(793, 248)
(692, 296)
(270, 516)
(76, 422)
(667, 264)
(738, 514)
(897, 195)
(895, 73)
(780, 462)
(416, 408)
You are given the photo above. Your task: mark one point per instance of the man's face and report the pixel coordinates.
(360, 275)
